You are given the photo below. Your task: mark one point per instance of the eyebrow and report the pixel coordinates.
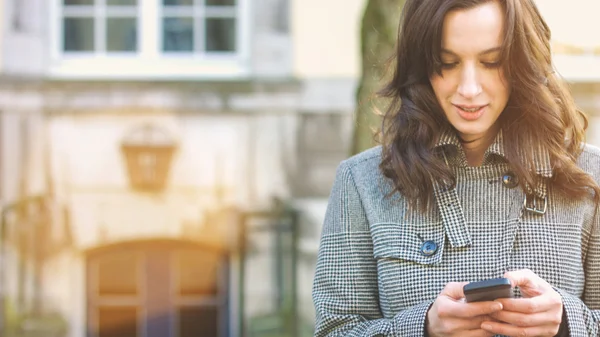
(485, 52)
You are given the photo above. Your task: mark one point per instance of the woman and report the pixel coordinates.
(482, 173)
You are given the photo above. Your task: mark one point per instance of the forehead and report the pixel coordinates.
(475, 29)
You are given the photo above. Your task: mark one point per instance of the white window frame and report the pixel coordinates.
(149, 62)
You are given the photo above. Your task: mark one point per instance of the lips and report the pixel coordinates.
(470, 108)
(470, 112)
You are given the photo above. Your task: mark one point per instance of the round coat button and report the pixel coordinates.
(510, 180)
(429, 248)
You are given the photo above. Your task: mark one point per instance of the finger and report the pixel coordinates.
(511, 330)
(530, 284)
(476, 333)
(528, 320)
(459, 326)
(454, 290)
(520, 277)
(450, 309)
(531, 305)
(474, 323)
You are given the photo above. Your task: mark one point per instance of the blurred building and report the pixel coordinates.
(576, 49)
(165, 164)
(138, 136)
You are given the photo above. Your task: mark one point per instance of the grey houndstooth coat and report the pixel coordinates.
(376, 277)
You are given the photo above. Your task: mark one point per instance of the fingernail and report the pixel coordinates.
(497, 306)
(486, 327)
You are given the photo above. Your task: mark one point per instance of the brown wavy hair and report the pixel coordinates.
(540, 111)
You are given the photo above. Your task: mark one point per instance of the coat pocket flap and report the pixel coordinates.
(423, 244)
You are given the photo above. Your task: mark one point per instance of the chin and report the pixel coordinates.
(472, 132)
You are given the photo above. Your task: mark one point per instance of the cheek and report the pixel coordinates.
(499, 85)
(442, 87)
(501, 91)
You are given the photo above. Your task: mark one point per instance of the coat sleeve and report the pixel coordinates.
(345, 288)
(583, 314)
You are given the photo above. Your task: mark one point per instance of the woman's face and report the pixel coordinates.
(472, 89)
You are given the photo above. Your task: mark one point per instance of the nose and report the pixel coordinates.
(469, 86)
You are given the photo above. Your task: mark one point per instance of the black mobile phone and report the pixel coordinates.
(488, 290)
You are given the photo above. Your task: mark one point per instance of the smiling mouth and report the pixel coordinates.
(470, 108)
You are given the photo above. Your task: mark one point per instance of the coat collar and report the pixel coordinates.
(542, 163)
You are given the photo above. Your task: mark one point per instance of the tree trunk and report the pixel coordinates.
(378, 39)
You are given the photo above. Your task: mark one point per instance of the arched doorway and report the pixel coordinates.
(157, 289)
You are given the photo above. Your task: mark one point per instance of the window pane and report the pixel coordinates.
(117, 274)
(121, 34)
(197, 273)
(121, 2)
(78, 34)
(220, 2)
(78, 2)
(178, 34)
(198, 322)
(117, 322)
(220, 34)
(178, 2)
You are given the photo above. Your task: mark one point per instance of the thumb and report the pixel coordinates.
(530, 284)
(454, 290)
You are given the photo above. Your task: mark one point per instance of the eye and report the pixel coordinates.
(491, 65)
(446, 66)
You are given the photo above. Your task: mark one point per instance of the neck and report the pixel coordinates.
(475, 147)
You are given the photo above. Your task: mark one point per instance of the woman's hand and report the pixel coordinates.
(451, 316)
(537, 314)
